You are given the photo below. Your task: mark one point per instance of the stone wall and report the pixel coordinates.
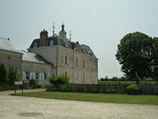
(11, 59)
(98, 88)
(146, 89)
(49, 53)
(149, 89)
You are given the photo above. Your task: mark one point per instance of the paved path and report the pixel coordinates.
(14, 107)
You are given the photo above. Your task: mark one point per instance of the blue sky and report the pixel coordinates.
(98, 23)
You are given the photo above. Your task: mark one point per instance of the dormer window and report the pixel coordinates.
(35, 45)
(51, 43)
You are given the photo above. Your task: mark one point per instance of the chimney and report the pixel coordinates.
(43, 37)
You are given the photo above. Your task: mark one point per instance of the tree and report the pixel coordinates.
(13, 76)
(138, 55)
(154, 67)
(3, 75)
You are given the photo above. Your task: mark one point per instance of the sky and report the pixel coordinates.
(101, 24)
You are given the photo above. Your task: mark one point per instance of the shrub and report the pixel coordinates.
(59, 83)
(4, 88)
(50, 88)
(52, 79)
(65, 88)
(133, 89)
(62, 79)
(33, 83)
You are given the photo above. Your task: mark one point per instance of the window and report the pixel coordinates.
(66, 59)
(36, 75)
(31, 76)
(84, 63)
(35, 45)
(77, 78)
(45, 76)
(76, 61)
(23, 76)
(27, 75)
(65, 73)
(83, 76)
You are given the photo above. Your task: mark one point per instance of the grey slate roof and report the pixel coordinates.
(32, 57)
(6, 45)
(72, 45)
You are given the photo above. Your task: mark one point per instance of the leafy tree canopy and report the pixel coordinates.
(138, 55)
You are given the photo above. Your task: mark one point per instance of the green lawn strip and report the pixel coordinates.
(96, 97)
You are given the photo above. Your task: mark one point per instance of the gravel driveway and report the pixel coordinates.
(13, 107)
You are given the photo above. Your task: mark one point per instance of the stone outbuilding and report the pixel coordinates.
(9, 56)
(35, 67)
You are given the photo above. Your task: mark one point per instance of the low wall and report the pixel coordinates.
(99, 88)
(146, 89)
(149, 89)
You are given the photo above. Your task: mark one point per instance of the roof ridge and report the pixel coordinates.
(4, 38)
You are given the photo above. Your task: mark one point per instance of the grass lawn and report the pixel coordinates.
(96, 97)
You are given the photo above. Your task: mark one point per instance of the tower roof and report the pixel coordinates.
(61, 40)
(62, 27)
(62, 33)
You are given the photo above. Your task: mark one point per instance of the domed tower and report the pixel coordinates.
(62, 33)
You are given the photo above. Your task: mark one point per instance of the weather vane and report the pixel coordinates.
(53, 28)
(70, 35)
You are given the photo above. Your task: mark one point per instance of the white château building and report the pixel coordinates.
(62, 56)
